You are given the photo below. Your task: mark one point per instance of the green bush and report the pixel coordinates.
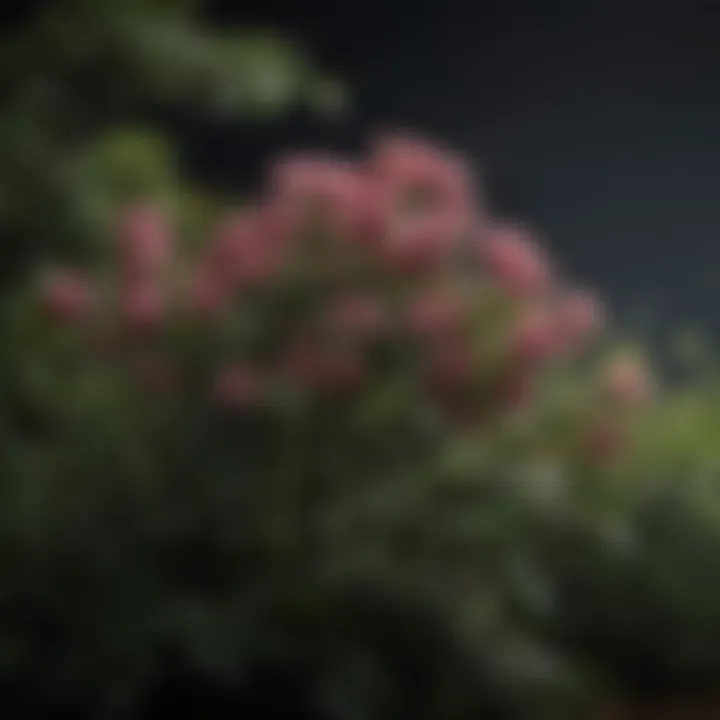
(631, 582)
(74, 73)
(341, 379)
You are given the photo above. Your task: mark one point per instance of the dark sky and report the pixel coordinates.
(596, 120)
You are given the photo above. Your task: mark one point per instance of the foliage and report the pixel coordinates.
(73, 73)
(352, 444)
(631, 583)
(219, 404)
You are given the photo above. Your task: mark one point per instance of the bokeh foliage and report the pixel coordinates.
(470, 576)
(75, 73)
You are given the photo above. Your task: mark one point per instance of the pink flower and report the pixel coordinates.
(535, 336)
(423, 201)
(515, 261)
(419, 243)
(418, 177)
(145, 240)
(313, 178)
(67, 297)
(340, 198)
(232, 233)
(627, 382)
(142, 305)
(369, 214)
(580, 315)
(207, 294)
(356, 316)
(436, 313)
(238, 386)
(245, 251)
(276, 222)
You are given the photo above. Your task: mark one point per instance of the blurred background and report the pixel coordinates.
(266, 453)
(593, 123)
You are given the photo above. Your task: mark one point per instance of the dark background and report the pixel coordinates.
(596, 120)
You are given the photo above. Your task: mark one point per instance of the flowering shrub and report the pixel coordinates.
(335, 379)
(341, 278)
(348, 328)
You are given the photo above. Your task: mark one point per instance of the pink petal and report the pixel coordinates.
(145, 239)
(515, 261)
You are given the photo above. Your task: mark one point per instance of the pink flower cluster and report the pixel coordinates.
(339, 258)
